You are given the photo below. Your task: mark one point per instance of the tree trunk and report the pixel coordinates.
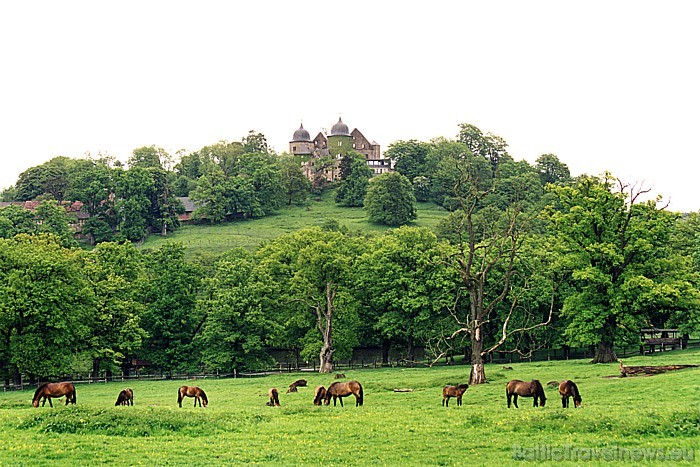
(325, 324)
(385, 351)
(477, 375)
(326, 358)
(605, 353)
(96, 368)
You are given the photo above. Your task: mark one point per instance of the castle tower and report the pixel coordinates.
(301, 144)
(340, 140)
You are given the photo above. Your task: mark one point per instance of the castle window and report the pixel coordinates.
(340, 143)
(294, 149)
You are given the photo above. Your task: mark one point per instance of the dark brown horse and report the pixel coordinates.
(293, 387)
(49, 390)
(319, 395)
(532, 389)
(192, 391)
(126, 397)
(339, 390)
(274, 397)
(453, 391)
(569, 389)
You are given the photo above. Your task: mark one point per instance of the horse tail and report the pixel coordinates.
(361, 396)
(75, 393)
(179, 395)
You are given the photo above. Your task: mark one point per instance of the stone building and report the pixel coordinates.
(335, 145)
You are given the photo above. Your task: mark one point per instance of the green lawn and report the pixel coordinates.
(211, 240)
(620, 417)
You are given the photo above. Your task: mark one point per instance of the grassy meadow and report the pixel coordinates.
(658, 414)
(211, 240)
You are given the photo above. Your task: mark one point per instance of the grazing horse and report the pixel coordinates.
(319, 395)
(274, 397)
(293, 387)
(49, 390)
(339, 390)
(568, 389)
(192, 391)
(532, 389)
(126, 397)
(453, 391)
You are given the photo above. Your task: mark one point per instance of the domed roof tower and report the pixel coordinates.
(340, 129)
(301, 144)
(301, 134)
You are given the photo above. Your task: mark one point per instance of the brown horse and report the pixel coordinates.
(453, 391)
(569, 389)
(532, 389)
(126, 397)
(293, 387)
(49, 390)
(192, 391)
(339, 390)
(274, 397)
(319, 395)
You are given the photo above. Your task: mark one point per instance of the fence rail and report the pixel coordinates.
(294, 366)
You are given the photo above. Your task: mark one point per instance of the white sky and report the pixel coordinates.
(604, 85)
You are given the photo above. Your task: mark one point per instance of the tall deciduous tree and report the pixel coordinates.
(44, 303)
(487, 241)
(615, 246)
(312, 268)
(353, 187)
(237, 327)
(114, 271)
(390, 200)
(170, 319)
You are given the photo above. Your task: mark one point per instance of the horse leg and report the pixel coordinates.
(564, 401)
(341, 401)
(515, 400)
(196, 398)
(508, 396)
(459, 401)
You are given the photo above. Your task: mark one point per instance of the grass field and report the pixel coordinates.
(210, 240)
(633, 417)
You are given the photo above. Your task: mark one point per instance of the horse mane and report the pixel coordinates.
(39, 388)
(538, 388)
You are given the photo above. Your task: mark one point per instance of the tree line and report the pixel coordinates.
(527, 258)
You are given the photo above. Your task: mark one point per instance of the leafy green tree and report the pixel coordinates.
(237, 328)
(49, 178)
(401, 283)
(310, 270)
(353, 188)
(16, 220)
(44, 302)
(411, 158)
(487, 243)
(491, 147)
(148, 157)
(52, 218)
(616, 248)
(114, 272)
(390, 200)
(255, 142)
(552, 170)
(171, 319)
(295, 185)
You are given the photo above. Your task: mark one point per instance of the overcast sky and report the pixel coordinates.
(604, 85)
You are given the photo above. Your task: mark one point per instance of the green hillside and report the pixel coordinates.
(208, 240)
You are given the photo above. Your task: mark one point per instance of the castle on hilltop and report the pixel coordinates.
(336, 145)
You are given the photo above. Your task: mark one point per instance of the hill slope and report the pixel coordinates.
(209, 240)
